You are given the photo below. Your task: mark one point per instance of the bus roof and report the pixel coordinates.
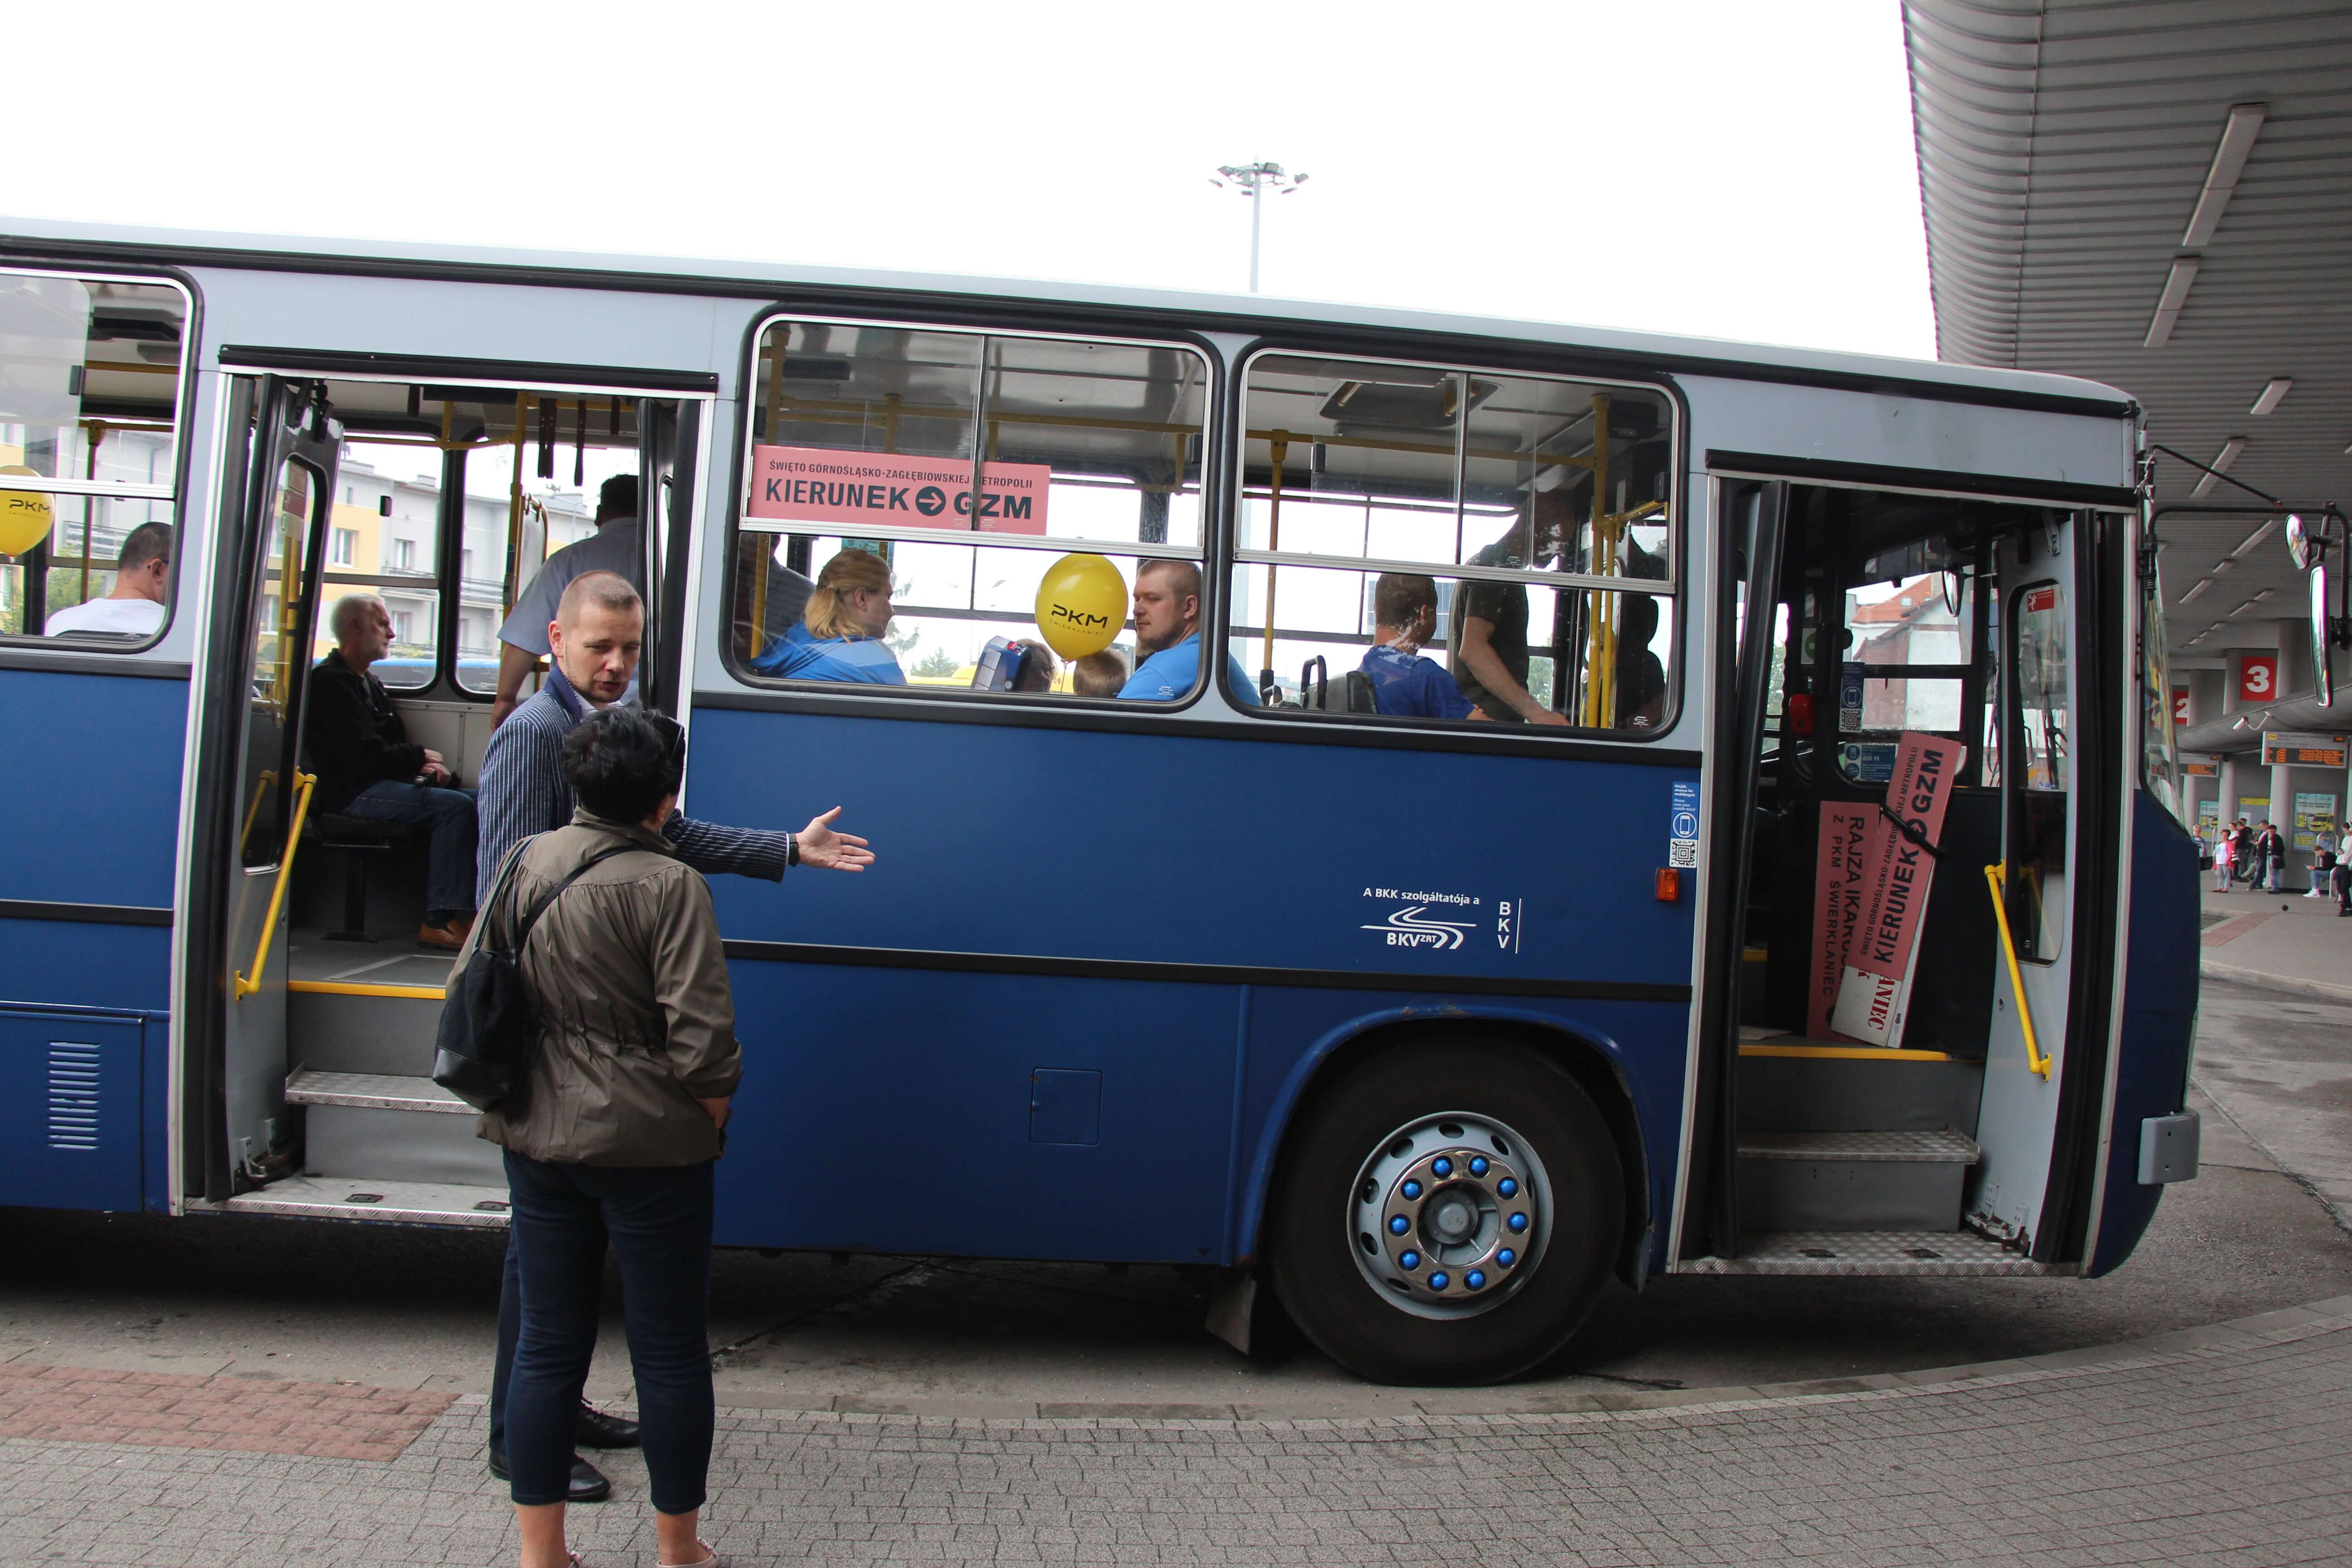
(29, 237)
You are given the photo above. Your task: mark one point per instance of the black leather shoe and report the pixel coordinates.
(594, 1429)
(589, 1484)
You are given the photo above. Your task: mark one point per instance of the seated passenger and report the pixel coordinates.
(368, 767)
(1168, 633)
(1038, 667)
(1641, 679)
(1099, 674)
(840, 634)
(1405, 684)
(142, 571)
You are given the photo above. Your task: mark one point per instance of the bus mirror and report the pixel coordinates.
(2306, 549)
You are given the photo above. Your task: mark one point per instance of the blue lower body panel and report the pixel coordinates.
(71, 1130)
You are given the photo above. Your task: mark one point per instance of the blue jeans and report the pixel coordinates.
(659, 1221)
(448, 817)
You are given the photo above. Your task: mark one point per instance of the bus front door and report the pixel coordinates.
(255, 793)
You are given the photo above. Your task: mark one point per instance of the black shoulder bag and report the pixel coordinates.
(486, 1024)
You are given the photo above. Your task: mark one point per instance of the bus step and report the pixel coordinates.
(392, 1126)
(1857, 1252)
(1853, 1181)
(364, 1034)
(382, 1203)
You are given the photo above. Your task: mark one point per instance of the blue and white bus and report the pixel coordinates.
(1428, 1025)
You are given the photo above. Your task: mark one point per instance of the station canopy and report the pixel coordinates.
(2159, 196)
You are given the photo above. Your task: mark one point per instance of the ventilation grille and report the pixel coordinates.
(73, 1096)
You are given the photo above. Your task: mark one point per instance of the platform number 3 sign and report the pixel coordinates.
(2258, 678)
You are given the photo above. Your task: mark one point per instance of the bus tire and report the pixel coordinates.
(1358, 1254)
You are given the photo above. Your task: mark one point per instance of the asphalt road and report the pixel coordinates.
(413, 1308)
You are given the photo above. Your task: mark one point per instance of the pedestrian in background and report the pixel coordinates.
(2225, 850)
(616, 1126)
(2344, 875)
(2272, 852)
(2242, 851)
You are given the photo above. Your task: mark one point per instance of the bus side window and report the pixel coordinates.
(967, 464)
(1427, 543)
(89, 405)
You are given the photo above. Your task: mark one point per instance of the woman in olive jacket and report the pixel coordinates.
(616, 1126)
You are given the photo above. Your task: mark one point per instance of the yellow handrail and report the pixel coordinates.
(261, 788)
(302, 785)
(2034, 1060)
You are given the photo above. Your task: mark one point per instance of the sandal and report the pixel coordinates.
(709, 1558)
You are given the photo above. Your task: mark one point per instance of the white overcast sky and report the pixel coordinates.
(1730, 170)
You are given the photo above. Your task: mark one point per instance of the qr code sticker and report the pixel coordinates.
(1685, 852)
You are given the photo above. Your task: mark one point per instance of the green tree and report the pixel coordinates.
(938, 662)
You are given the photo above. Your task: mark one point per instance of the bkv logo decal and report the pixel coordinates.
(1407, 928)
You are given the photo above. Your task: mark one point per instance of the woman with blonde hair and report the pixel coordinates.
(840, 634)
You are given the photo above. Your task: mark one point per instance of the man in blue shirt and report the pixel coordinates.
(1167, 632)
(1405, 684)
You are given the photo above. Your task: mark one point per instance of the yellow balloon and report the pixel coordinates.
(1081, 606)
(24, 515)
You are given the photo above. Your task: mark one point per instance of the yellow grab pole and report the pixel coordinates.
(2038, 1064)
(267, 778)
(514, 512)
(1601, 644)
(1280, 447)
(302, 782)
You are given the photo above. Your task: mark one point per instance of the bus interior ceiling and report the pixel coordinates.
(505, 476)
(1836, 1135)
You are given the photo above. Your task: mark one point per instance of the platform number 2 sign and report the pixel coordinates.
(2258, 678)
(2180, 705)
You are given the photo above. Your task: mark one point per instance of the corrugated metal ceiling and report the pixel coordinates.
(2063, 146)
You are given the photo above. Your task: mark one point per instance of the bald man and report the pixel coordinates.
(368, 766)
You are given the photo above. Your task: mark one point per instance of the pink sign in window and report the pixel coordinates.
(850, 491)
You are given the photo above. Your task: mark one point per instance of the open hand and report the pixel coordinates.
(820, 846)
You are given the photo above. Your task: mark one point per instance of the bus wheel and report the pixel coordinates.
(1447, 1214)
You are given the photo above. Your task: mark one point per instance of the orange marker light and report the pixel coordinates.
(1670, 885)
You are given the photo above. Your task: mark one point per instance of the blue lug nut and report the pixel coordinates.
(1516, 1222)
(1437, 1281)
(1477, 1164)
(1399, 1225)
(1412, 1189)
(1507, 1187)
(1408, 1260)
(1505, 1257)
(1441, 1166)
(1474, 1280)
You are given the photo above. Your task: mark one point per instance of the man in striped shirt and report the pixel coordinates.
(594, 641)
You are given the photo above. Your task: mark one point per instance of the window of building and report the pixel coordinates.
(968, 466)
(403, 555)
(343, 548)
(1434, 543)
(90, 403)
(361, 558)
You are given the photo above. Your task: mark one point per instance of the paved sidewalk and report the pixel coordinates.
(2283, 940)
(2226, 1446)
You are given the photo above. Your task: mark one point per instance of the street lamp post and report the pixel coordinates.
(1254, 180)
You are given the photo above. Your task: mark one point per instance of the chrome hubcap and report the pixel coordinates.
(1448, 1215)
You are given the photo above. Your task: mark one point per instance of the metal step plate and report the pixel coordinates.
(1946, 1147)
(382, 1202)
(1858, 1252)
(372, 1092)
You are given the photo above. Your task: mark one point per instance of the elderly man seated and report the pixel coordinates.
(368, 767)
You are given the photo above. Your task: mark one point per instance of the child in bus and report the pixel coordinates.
(840, 634)
(1099, 674)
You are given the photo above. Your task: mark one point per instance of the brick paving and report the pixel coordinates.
(254, 1415)
(2233, 1450)
(2226, 1447)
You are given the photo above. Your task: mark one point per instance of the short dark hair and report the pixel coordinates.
(1185, 575)
(1397, 597)
(148, 541)
(622, 762)
(618, 498)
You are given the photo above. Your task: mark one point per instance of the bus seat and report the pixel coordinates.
(360, 839)
(1355, 693)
